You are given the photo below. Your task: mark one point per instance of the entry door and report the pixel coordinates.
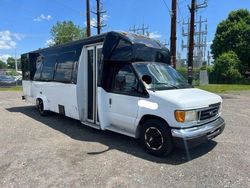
(123, 99)
(94, 55)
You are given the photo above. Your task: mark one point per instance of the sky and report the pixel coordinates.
(25, 24)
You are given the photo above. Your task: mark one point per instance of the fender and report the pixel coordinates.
(45, 101)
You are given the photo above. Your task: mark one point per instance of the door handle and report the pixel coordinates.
(110, 101)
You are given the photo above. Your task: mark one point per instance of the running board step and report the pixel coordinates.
(117, 130)
(91, 125)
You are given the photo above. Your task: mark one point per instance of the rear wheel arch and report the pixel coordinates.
(42, 106)
(44, 100)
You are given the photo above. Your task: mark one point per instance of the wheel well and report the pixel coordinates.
(144, 119)
(38, 99)
(43, 102)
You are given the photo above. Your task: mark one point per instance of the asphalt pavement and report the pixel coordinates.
(57, 151)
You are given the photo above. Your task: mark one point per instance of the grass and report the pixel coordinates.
(14, 88)
(215, 88)
(224, 88)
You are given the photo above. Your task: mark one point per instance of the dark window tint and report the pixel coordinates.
(124, 80)
(123, 51)
(90, 83)
(32, 63)
(48, 67)
(75, 71)
(144, 53)
(64, 67)
(99, 61)
(25, 67)
(39, 66)
(76, 63)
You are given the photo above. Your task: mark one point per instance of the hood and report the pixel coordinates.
(188, 98)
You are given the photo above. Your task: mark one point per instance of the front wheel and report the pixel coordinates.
(156, 137)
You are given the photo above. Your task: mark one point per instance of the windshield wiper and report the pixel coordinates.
(173, 86)
(185, 85)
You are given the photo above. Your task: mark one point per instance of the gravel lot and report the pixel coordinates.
(56, 151)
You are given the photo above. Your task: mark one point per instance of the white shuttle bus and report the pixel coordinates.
(123, 83)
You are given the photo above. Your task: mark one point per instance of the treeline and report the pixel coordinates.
(231, 49)
(10, 64)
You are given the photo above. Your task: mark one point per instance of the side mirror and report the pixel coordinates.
(147, 79)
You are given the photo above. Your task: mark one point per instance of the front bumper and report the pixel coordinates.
(191, 137)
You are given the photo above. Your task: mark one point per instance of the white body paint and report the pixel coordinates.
(117, 112)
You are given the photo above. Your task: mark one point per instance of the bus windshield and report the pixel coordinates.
(163, 76)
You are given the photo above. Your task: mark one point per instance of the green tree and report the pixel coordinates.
(3, 65)
(226, 68)
(233, 34)
(66, 31)
(11, 63)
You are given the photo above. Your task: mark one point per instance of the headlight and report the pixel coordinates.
(186, 116)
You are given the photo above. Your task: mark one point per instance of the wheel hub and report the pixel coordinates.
(154, 138)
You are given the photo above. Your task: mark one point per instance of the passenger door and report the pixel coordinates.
(123, 99)
(94, 54)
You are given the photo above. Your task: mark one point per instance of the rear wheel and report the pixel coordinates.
(40, 107)
(156, 137)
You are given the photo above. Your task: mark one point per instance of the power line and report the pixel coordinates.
(180, 11)
(182, 1)
(67, 6)
(170, 12)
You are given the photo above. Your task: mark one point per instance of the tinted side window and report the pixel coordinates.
(65, 67)
(39, 66)
(123, 51)
(124, 80)
(48, 67)
(32, 62)
(76, 63)
(25, 67)
(145, 53)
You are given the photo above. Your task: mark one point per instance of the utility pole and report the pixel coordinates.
(200, 45)
(98, 17)
(165, 43)
(173, 34)
(133, 29)
(140, 30)
(208, 58)
(191, 43)
(99, 25)
(15, 61)
(194, 7)
(88, 31)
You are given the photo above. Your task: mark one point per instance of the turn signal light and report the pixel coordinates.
(180, 116)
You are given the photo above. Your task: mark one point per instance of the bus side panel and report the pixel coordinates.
(27, 91)
(55, 94)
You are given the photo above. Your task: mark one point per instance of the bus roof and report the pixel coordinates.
(131, 37)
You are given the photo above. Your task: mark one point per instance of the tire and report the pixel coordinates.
(40, 108)
(156, 138)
